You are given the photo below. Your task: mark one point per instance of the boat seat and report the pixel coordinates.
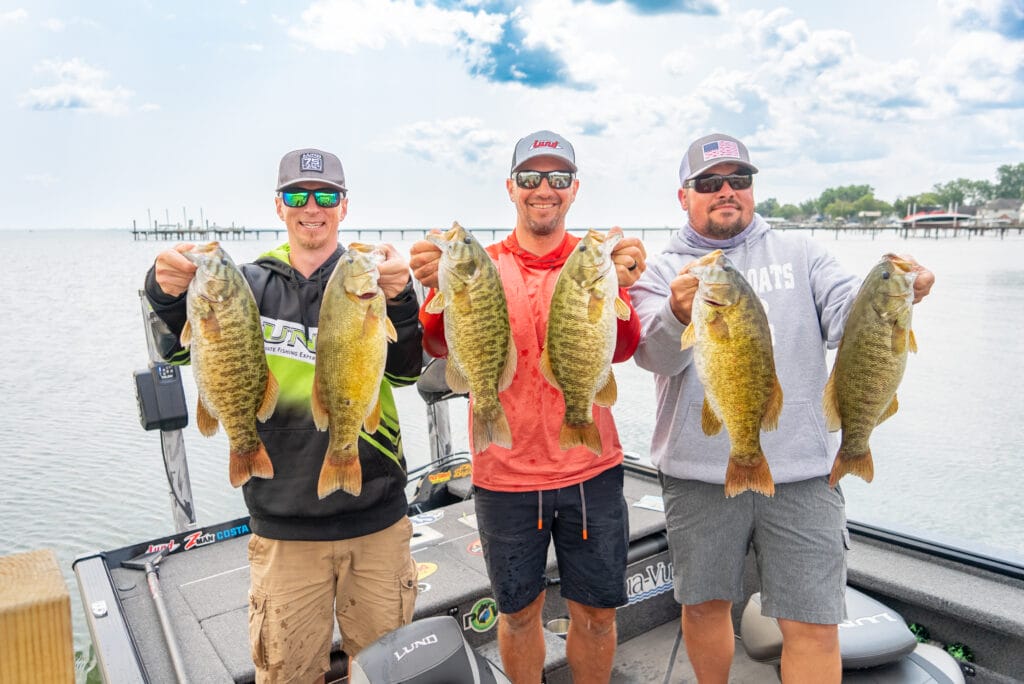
(432, 385)
(431, 650)
(874, 642)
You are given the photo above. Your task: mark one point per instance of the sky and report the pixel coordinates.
(117, 112)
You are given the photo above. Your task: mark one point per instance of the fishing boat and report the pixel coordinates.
(174, 608)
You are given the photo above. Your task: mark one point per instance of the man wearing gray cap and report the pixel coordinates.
(798, 533)
(535, 492)
(315, 560)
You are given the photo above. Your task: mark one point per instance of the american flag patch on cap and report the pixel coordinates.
(720, 148)
(312, 161)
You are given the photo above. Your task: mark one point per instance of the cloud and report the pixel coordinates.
(13, 17)
(706, 7)
(1005, 17)
(79, 86)
(982, 70)
(453, 142)
(350, 25)
(536, 45)
(41, 179)
(494, 46)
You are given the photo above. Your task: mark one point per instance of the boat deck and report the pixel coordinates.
(205, 578)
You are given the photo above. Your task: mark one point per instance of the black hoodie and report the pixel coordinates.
(287, 506)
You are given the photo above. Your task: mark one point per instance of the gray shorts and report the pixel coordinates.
(799, 539)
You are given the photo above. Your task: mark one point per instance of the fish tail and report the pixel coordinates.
(490, 426)
(860, 465)
(341, 470)
(580, 435)
(756, 477)
(242, 466)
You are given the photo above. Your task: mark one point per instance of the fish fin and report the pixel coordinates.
(689, 337)
(321, 417)
(889, 411)
(580, 435)
(862, 466)
(455, 378)
(911, 341)
(718, 327)
(607, 395)
(622, 309)
(341, 471)
(244, 466)
(709, 421)
(186, 335)
(370, 322)
(205, 421)
(756, 478)
(545, 368)
(509, 372)
(830, 403)
(372, 421)
(389, 330)
(594, 307)
(899, 340)
(210, 325)
(770, 419)
(269, 402)
(494, 430)
(436, 305)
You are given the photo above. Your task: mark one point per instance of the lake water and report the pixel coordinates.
(79, 474)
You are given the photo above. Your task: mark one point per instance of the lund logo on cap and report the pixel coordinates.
(546, 143)
(720, 148)
(311, 161)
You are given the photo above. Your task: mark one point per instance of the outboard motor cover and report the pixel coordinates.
(427, 651)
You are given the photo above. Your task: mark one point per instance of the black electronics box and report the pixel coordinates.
(161, 397)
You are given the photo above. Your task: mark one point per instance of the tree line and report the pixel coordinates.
(849, 200)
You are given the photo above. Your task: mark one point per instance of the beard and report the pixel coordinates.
(543, 228)
(723, 230)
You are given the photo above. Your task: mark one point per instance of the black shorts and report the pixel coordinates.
(592, 571)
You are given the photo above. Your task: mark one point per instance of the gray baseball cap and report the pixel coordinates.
(311, 165)
(711, 150)
(543, 144)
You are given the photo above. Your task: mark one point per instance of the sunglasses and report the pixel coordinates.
(558, 180)
(324, 197)
(706, 184)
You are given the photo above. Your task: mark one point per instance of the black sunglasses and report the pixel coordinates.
(706, 184)
(324, 197)
(558, 180)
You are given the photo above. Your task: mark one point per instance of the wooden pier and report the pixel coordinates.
(487, 235)
(197, 234)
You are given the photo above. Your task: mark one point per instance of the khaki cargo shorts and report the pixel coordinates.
(298, 589)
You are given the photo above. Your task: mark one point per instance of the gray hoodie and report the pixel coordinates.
(806, 295)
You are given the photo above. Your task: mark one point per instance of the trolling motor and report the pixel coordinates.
(432, 650)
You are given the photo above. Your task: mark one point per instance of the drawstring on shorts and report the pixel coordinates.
(540, 509)
(583, 505)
